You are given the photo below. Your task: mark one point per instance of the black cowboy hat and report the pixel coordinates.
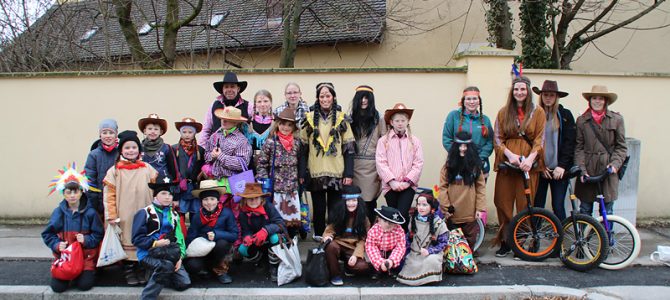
(390, 214)
(230, 77)
(163, 183)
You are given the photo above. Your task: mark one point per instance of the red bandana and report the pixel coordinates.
(520, 114)
(258, 211)
(188, 147)
(598, 116)
(128, 165)
(286, 140)
(111, 147)
(210, 220)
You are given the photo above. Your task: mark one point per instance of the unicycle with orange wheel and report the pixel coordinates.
(534, 233)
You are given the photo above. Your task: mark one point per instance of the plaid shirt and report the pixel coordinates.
(235, 151)
(300, 111)
(379, 241)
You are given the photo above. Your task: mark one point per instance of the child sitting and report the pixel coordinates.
(72, 221)
(346, 233)
(428, 236)
(261, 225)
(385, 243)
(159, 240)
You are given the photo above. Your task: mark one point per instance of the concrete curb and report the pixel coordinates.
(350, 293)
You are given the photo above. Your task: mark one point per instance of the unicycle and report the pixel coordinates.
(624, 240)
(535, 232)
(585, 243)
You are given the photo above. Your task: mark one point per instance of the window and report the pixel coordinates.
(146, 28)
(274, 13)
(89, 34)
(217, 19)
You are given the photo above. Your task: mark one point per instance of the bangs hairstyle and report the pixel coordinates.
(340, 218)
(469, 166)
(509, 126)
(265, 93)
(72, 185)
(275, 127)
(363, 121)
(243, 202)
(434, 205)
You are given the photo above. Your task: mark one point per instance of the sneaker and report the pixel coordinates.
(131, 277)
(317, 238)
(348, 273)
(503, 251)
(337, 280)
(225, 278)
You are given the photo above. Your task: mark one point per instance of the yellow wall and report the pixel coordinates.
(428, 32)
(50, 120)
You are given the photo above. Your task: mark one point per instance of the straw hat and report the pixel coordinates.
(600, 90)
(230, 113)
(209, 185)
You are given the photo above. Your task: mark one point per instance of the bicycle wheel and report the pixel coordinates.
(624, 244)
(538, 245)
(586, 247)
(480, 235)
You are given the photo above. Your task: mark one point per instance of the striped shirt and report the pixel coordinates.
(381, 242)
(235, 153)
(399, 159)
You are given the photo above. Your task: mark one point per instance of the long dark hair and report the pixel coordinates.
(431, 216)
(364, 121)
(340, 217)
(469, 167)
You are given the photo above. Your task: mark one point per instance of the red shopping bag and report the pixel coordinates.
(70, 263)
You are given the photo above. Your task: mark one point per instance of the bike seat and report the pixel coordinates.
(597, 178)
(574, 172)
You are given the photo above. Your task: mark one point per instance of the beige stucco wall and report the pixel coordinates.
(428, 32)
(50, 120)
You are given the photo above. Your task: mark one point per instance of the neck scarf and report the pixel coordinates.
(286, 140)
(227, 132)
(234, 102)
(127, 164)
(209, 218)
(258, 211)
(400, 135)
(598, 116)
(111, 147)
(263, 119)
(151, 147)
(189, 148)
(422, 218)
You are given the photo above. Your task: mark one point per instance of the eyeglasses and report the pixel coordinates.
(292, 93)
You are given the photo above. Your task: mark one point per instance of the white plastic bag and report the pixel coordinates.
(662, 255)
(199, 247)
(290, 267)
(111, 250)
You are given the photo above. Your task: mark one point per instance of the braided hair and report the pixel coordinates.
(484, 129)
(469, 166)
(317, 115)
(434, 205)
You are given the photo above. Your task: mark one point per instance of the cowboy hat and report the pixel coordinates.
(153, 119)
(600, 90)
(287, 115)
(230, 77)
(390, 214)
(397, 108)
(188, 122)
(163, 183)
(230, 113)
(252, 190)
(550, 86)
(209, 185)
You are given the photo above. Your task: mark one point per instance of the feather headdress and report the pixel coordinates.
(66, 175)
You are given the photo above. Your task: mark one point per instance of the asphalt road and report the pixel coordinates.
(37, 273)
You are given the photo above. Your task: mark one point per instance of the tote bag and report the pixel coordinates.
(111, 250)
(290, 266)
(238, 181)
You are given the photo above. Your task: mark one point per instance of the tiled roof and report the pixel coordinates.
(245, 26)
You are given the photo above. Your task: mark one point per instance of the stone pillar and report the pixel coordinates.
(626, 205)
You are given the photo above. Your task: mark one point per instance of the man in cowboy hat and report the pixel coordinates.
(229, 90)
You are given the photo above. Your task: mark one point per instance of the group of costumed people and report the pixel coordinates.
(151, 190)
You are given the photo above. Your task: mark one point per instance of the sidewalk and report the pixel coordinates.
(23, 243)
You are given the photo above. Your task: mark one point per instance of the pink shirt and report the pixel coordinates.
(398, 158)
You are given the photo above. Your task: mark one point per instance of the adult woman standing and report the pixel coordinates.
(559, 148)
(601, 145)
(470, 117)
(293, 101)
(329, 152)
(367, 128)
(518, 138)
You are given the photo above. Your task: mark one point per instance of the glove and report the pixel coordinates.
(183, 185)
(247, 241)
(260, 237)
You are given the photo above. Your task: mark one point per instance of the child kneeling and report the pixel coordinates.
(159, 240)
(428, 236)
(261, 225)
(385, 243)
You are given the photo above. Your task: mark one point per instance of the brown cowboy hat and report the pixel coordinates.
(188, 122)
(287, 115)
(600, 90)
(230, 77)
(230, 113)
(550, 86)
(209, 185)
(397, 108)
(153, 119)
(252, 190)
